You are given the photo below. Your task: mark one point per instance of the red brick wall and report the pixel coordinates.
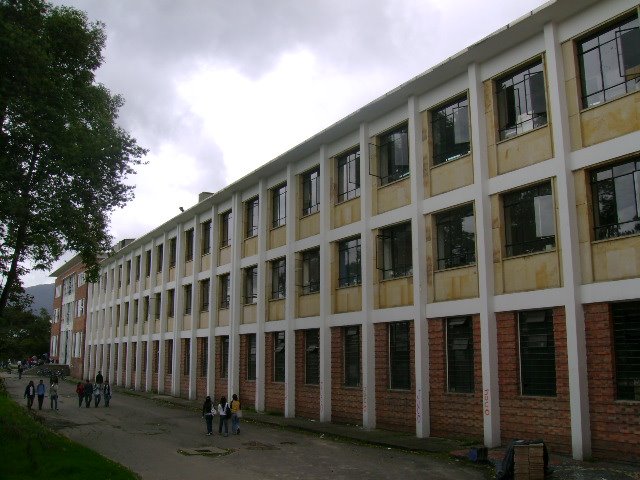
(184, 359)
(615, 424)
(221, 383)
(531, 417)
(395, 409)
(273, 391)
(247, 387)
(307, 396)
(201, 381)
(453, 414)
(346, 402)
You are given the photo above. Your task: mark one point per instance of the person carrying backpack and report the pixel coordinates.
(224, 410)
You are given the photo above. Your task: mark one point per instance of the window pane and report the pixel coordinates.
(626, 327)
(352, 356)
(537, 353)
(312, 357)
(279, 357)
(399, 356)
(460, 354)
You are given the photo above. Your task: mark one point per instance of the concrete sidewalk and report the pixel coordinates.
(564, 468)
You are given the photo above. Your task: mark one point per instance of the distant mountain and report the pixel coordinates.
(42, 297)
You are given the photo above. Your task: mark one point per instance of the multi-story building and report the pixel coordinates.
(460, 257)
(69, 316)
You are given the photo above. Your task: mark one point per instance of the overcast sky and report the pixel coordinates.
(214, 88)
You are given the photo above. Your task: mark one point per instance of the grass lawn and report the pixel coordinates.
(29, 450)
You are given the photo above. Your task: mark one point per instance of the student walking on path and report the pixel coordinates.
(106, 390)
(207, 413)
(236, 413)
(40, 391)
(30, 394)
(223, 410)
(97, 392)
(53, 395)
(80, 393)
(88, 393)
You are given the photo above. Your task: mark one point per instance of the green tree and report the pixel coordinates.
(63, 158)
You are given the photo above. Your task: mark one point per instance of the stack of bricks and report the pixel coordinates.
(529, 462)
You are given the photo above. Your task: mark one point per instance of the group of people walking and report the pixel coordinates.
(87, 391)
(32, 391)
(225, 411)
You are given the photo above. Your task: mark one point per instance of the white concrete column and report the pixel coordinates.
(326, 204)
(195, 307)
(568, 230)
(236, 300)
(484, 261)
(178, 311)
(213, 299)
(420, 327)
(368, 359)
(86, 356)
(264, 225)
(162, 350)
(291, 296)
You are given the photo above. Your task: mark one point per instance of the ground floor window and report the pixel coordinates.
(626, 339)
(537, 353)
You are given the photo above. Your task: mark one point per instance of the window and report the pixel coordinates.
(450, 130)
(460, 355)
(188, 294)
(224, 357)
(159, 254)
(169, 357)
(126, 313)
(204, 295)
(399, 356)
(148, 263)
(138, 267)
(349, 262)
(206, 238)
(537, 353)
(393, 155)
(158, 303)
(204, 356)
(615, 194)
(610, 62)
(529, 220)
(136, 303)
(145, 308)
(278, 279)
(188, 247)
(251, 222)
(225, 290)
(348, 175)
(173, 252)
(186, 353)
(128, 270)
(311, 191)
(171, 302)
(82, 279)
(522, 102)
(278, 357)
(312, 357)
(351, 356)
(311, 271)
(394, 251)
(119, 276)
(251, 357)
(456, 230)
(156, 355)
(250, 285)
(626, 343)
(225, 229)
(279, 206)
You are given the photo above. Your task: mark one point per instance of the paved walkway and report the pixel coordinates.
(434, 453)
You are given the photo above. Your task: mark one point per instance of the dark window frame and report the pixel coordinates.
(349, 262)
(226, 219)
(189, 238)
(523, 227)
(537, 354)
(351, 355)
(204, 357)
(205, 289)
(171, 303)
(310, 181)
(252, 213)
(460, 355)
(394, 255)
(224, 356)
(393, 154)
(159, 258)
(225, 290)
(312, 356)
(252, 356)
(188, 298)
(450, 133)
(173, 252)
(521, 100)
(250, 285)
(186, 353)
(310, 271)
(279, 357)
(453, 245)
(595, 53)
(279, 206)
(348, 175)
(625, 320)
(400, 355)
(279, 278)
(609, 186)
(148, 263)
(205, 228)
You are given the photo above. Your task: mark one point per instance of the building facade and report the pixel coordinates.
(458, 258)
(68, 328)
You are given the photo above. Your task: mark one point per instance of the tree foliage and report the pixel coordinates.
(23, 333)
(63, 158)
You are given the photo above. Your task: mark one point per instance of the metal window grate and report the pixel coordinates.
(399, 356)
(352, 356)
(278, 357)
(626, 338)
(312, 356)
(460, 355)
(537, 353)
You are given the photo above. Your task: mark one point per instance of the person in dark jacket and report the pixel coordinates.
(106, 390)
(80, 393)
(30, 394)
(207, 413)
(99, 378)
(40, 391)
(88, 393)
